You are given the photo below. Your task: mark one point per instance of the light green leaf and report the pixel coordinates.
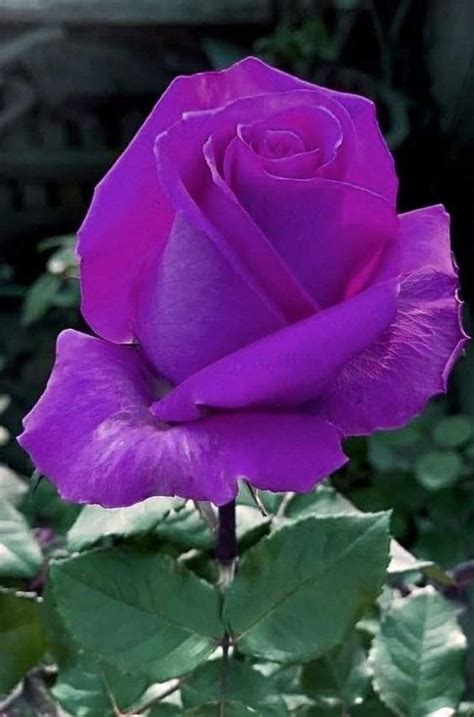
(438, 469)
(340, 678)
(298, 591)
(243, 684)
(20, 554)
(21, 638)
(403, 561)
(88, 689)
(12, 488)
(418, 656)
(141, 613)
(453, 431)
(324, 500)
(95, 523)
(168, 519)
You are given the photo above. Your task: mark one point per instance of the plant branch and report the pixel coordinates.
(226, 554)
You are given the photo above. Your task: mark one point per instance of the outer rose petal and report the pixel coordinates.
(390, 383)
(93, 435)
(287, 368)
(423, 241)
(129, 218)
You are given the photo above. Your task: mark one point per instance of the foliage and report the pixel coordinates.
(135, 620)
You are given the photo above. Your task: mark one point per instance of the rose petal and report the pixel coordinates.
(193, 308)
(289, 367)
(93, 435)
(316, 127)
(339, 232)
(130, 217)
(390, 383)
(373, 167)
(214, 211)
(424, 241)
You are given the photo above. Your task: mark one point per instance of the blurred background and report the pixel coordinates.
(77, 78)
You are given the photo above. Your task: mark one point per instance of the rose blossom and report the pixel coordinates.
(256, 295)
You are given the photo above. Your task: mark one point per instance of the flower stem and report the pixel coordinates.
(226, 543)
(226, 554)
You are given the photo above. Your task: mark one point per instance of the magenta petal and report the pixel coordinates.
(390, 382)
(373, 167)
(289, 367)
(424, 240)
(130, 217)
(92, 434)
(339, 232)
(279, 451)
(193, 307)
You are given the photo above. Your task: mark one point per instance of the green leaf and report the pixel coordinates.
(166, 518)
(298, 591)
(12, 488)
(141, 613)
(21, 638)
(40, 298)
(418, 656)
(211, 709)
(341, 678)
(88, 689)
(95, 523)
(453, 431)
(43, 505)
(243, 684)
(395, 450)
(438, 469)
(402, 561)
(165, 709)
(324, 500)
(20, 554)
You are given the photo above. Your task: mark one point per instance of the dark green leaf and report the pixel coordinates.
(298, 591)
(395, 450)
(44, 505)
(438, 469)
(141, 613)
(453, 431)
(341, 678)
(40, 298)
(211, 709)
(243, 684)
(221, 54)
(20, 554)
(88, 689)
(21, 638)
(418, 656)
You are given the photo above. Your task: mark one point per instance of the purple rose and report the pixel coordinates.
(247, 245)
